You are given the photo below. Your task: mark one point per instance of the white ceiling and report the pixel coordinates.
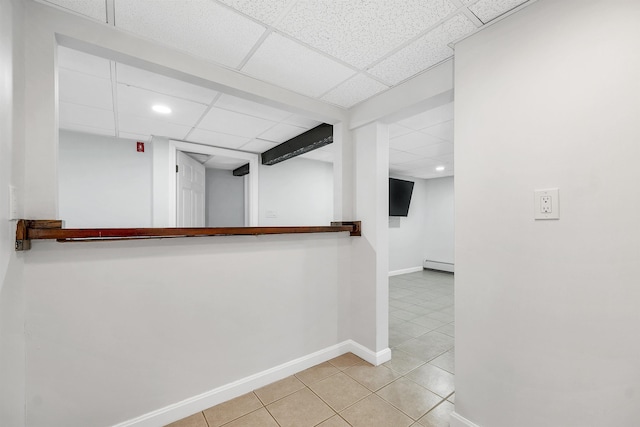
(108, 98)
(341, 52)
(421, 143)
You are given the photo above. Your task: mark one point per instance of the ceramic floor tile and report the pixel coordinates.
(448, 329)
(396, 337)
(317, 373)
(272, 392)
(335, 421)
(259, 418)
(195, 420)
(402, 362)
(345, 361)
(433, 378)
(438, 341)
(441, 316)
(405, 315)
(420, 349)
(372, 377)
(445, 361)
(234, 408)
(395, 321)
(438, 416)
(301, 409)
(373, 411)
(410, 328)
(409, 397)
(428, 322)
(339, 391)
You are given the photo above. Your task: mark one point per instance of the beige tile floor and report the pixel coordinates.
(415, 388)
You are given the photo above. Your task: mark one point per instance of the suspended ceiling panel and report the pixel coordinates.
(341, 52)
(201, 27)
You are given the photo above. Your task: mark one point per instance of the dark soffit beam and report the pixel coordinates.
(242, 170)
(317, 137)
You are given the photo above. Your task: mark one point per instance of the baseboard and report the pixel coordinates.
(458, 420)
(437, 265)
(190, 406)
(404, 271)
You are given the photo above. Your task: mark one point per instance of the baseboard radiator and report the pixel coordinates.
(438, 265)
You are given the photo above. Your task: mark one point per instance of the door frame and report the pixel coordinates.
(251, 207)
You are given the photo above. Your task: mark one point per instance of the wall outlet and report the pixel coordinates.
(545, 204)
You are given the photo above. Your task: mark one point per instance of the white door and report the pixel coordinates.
(190, 187)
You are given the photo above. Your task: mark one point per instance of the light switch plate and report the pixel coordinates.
(546, 204)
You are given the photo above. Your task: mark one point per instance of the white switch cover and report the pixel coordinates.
(546, 204)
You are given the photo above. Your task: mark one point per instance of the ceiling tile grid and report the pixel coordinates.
(85, 116)
(200, 27)
(80, 62)
(267, 11)
(354, 90)
(288, 64)
(96, 9)
(230, 122)
(142, 125)
(84, 89)
(488, 10)
(362, 32)
(425, 52)
(217, 139)
(258, 146)
(281, 132)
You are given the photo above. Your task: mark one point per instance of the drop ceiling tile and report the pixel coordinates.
(396, 130)
(83, 62)
(216, 139)
(301, 121)
(433, 150)
(200, 27)
(130, 123)
(87, 129)
(267, 11)
(361, 34)
(423, 53)
(397, 157)
(281, 132)
(225, 163)
(412, 140)
(487, 10)
(239, 105)
(132, 100)
(233, 123)
(288, 64)
(428, 118)
(96, 9)
(134, 136)
(443, 131)
(86, 116)
(426, 165)
(354, 90)
(84, 89)
(144, 79)
(258, 146)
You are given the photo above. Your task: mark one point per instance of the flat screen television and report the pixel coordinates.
(399, 196)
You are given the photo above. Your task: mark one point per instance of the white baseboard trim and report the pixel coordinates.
(458, 420)
(404, 271)
(437, 265)
(192, 405)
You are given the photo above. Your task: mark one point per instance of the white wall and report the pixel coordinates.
(547, 314)
(428, 231)
(12, 341)
(224, 199)
(297, 191)
(142, 325)
(103, 181)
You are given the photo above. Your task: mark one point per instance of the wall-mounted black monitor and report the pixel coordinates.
(399, 196)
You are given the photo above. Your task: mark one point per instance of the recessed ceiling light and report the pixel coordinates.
(162, 109)
(440, 168)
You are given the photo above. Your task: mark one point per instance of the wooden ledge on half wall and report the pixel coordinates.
(28, 230)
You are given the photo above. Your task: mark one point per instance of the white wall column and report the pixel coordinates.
(370, 253)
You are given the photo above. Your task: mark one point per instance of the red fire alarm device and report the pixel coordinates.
(140, 147)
